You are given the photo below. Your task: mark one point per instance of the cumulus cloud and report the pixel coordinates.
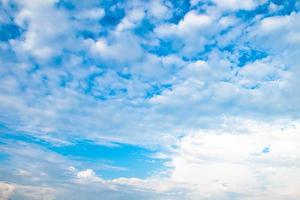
(193, 31)
(6, 190)
(92, 14)
(47, 33)
(244, 158)
(26, 192)
(211, 85)
(236, 5)
(233, 160)
(115, 50)
(157, 9)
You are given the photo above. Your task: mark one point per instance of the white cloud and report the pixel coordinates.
(6, 190)
(214, 163)
(115, 49)
(285, 51)
(247, 158)
(131, 20)
(18, 191)
(284, 27)
(192, 31)
(198, 88)
(236, 4)
(88, 176)
(231, 160)
(92, 14)
(86, 173)
(196, 30)
(158, 10)
(46, 32)
(164, 100)
(261, 71)
(192, 23)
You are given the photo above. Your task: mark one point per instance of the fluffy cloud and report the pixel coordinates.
(115, 50)
(236, 5)
(92, 14)
(208, 84)
(193, 31)
(158, 10)
(17, 191)
(245, 157)
(6, 190)
(47, 33)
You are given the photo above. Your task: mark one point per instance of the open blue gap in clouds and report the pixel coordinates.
(125, 160)
(135, 161)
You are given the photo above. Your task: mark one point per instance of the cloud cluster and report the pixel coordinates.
(244, 159)
(212, 85)
(117, 71)
(249, 160)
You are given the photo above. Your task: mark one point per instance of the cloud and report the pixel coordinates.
(6, 190)
(285, 27)
(193, 31)
(132, 19)
(51, 176)
(239, 5)
(92, 14)
(207, 164)
(115, 50)
(86, 173)
(212, 86)
(47, 33)
(17, 191)
(158, 10)
(231, 160)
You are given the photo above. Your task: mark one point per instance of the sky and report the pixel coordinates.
(158, 99)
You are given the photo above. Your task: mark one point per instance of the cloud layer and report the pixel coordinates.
(211, 88)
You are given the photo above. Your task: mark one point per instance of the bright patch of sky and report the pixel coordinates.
(162, 99)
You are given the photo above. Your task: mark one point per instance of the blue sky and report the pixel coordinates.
(160, 99)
